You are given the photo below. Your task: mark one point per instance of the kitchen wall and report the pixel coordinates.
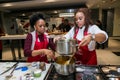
(110, 22)
(116, 28)
(10, 25)
(0, 20)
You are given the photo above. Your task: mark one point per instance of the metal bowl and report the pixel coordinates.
(66, 46)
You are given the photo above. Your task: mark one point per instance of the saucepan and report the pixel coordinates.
(66, 46)
(64, 68)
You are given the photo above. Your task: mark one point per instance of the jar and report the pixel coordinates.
(42, 66)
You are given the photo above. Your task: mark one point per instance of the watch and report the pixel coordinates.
(93, 36)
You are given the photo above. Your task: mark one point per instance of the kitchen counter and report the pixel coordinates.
(82, 72)
(19, 74)
(13, 38)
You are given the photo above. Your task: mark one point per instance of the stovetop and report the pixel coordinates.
(104, 72)
(111, 71)
(88, 73)
(55, 76)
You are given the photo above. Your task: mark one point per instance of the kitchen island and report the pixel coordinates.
(82, 72)
(23, 71)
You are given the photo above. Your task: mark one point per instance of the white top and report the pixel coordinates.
(91, 29)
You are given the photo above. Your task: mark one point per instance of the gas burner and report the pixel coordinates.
(111, 72)
(55, 76)
(62, 77)
(84, 76)
(88, 76)
(87, 69)
(84, 72)
(107, 69)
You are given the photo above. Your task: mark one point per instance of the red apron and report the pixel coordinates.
(0, 45)
(39, 45)
(87, 57)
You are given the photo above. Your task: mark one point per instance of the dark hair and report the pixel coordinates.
(47, 24)
(34, 18)
(66, 20)
(22, 21)
(99, 22)
(87, 14)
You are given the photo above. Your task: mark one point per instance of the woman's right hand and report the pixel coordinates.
(49, 53)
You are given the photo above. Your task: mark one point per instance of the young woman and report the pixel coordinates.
(37, 42)
(86, 34)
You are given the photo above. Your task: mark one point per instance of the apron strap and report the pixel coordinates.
(75, 33)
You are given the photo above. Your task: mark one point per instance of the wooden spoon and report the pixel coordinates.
(68, 61)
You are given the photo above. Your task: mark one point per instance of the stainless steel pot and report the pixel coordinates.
(66, 46)
(62, 68)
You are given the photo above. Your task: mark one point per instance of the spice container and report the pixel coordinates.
(37, 73)
(42, 66)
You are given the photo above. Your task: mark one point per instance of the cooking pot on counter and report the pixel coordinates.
(63, 68)
(66, 46)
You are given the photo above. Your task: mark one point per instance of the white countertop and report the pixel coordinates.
(12, 37)
(19, 74)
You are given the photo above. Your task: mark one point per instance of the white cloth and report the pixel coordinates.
(91, 29)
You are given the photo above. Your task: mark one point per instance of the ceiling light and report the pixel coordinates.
(70, 10)
(55, 11)
(66, 14)
(7, 5)
(49, 0)
(103, 1)
(23, 14)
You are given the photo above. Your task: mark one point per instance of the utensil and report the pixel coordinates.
(62, 68)
(68, 61)
(11, 74)
(9, 69)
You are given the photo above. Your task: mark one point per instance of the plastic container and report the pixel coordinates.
(37, 73)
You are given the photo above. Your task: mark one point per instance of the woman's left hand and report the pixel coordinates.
(85, 40)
